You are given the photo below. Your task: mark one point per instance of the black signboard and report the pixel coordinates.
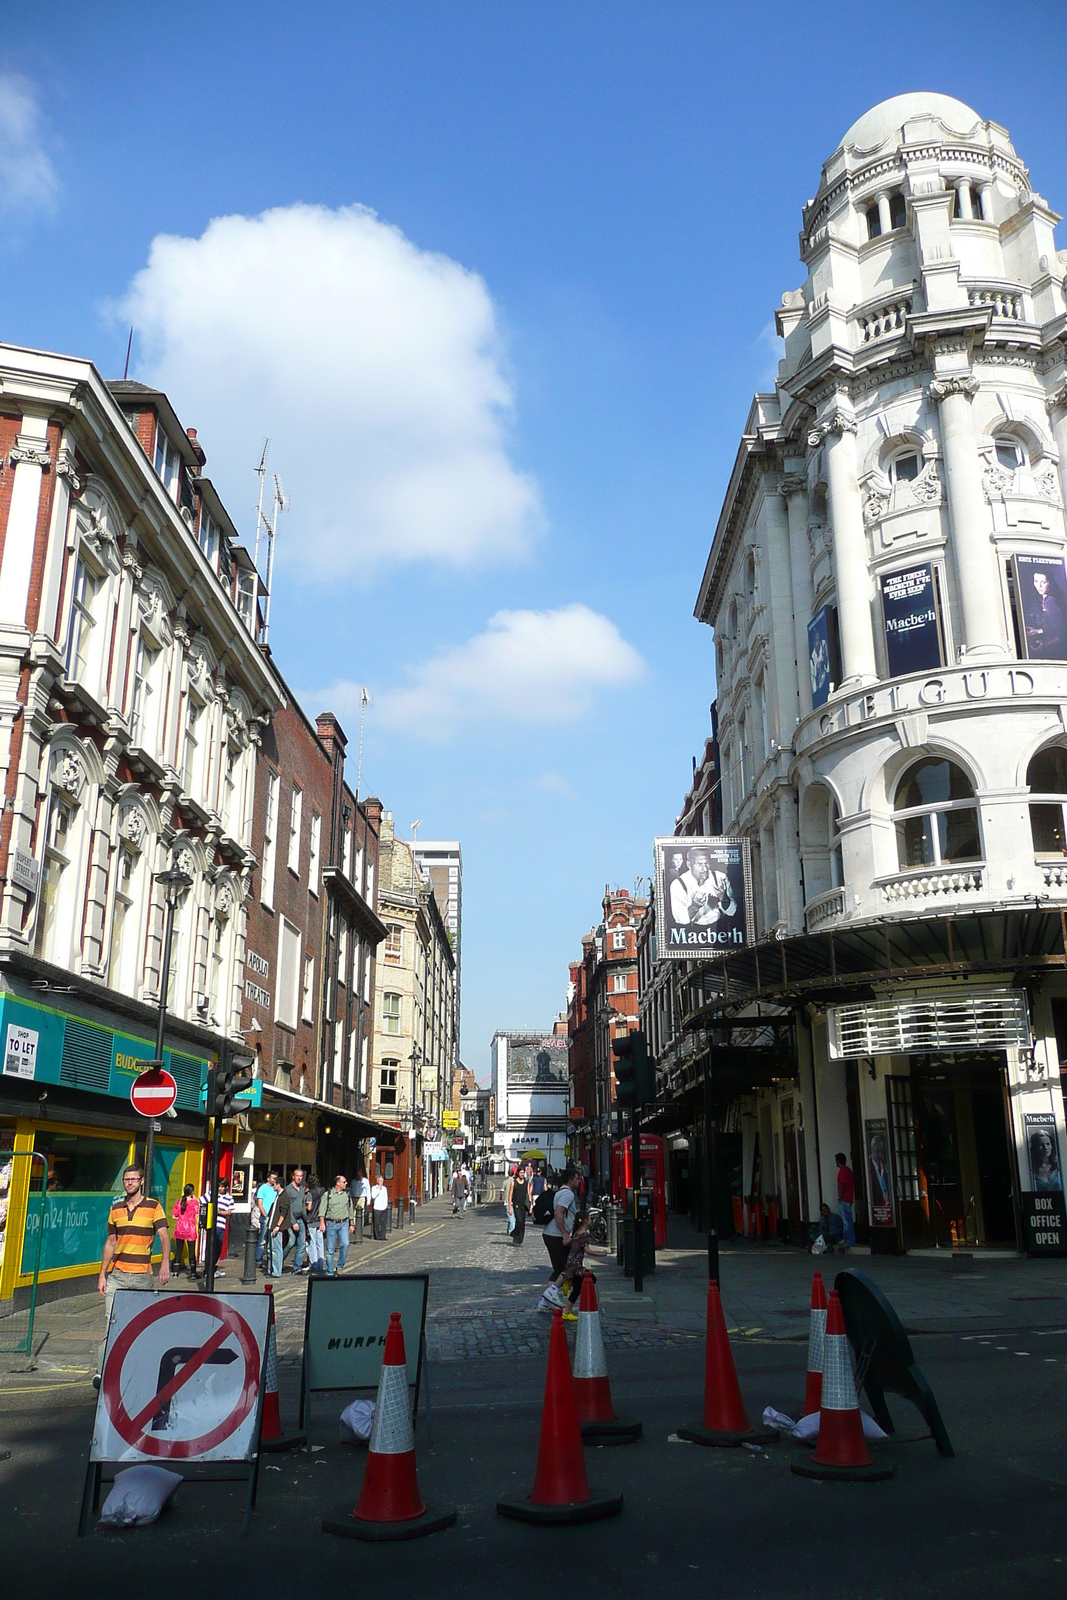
(879, 1177)
(912, 625)
(1041, 589)
(824, 655)
(1045, 1224)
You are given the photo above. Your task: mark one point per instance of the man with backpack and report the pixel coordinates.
(460, 1191)
(558, 1233)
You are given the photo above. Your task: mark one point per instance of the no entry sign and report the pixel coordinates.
(154, 1092)
(181, 1378)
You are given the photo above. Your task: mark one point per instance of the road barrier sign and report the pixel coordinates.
(345, 1325)
(181, 1383)
(154, 1092)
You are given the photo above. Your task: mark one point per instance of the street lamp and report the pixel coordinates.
(174, 881)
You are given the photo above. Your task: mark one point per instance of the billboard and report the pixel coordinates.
(1041, 589)
(912, 624)
(703, 897)
(534, 1061)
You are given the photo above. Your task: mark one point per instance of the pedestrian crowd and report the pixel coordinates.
(312, 1221)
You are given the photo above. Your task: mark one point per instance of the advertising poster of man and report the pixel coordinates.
(703, 897)
(1041, 589)
(879, 1177)
(912, 625)
(1046, 1174)
(824, 655)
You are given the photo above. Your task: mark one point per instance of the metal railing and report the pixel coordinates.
(23, 1231)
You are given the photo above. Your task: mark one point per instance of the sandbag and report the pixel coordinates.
(138, 1495)
(357, 1420)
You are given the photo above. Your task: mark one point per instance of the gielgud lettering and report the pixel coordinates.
(1003, 683)
(362, 1341)
(706, 936)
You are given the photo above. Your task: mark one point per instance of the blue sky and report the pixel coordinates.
(498, 280)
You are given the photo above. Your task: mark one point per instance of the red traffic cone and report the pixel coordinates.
(390, 1506)
(272, 1436)
(816, 1337)
(842, 1450)
(561, 1491)
(725, 1418)
(592, 1388)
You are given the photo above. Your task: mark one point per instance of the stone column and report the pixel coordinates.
(793, 487)
(785, 664)
(850, 551)
(963, 192)
(885, 221)
(985, 201)
(30, 458)
(984, 632)
(1057, 405)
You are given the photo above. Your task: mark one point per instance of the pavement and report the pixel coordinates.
(991, 1337)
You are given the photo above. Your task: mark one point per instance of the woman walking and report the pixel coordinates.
(520, 1203)
(186, 1216)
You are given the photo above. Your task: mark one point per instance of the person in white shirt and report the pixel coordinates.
(361, 1198)
(557, 1236)
(379, 1202)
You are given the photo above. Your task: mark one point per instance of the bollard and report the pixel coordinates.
(251, 1242)
(388, 1219)
(613, 1242)
(357, 1226)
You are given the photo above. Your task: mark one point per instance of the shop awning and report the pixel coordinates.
(365, 1127)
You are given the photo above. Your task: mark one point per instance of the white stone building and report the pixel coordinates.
(888, 591)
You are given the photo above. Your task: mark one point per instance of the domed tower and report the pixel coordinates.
(888, 589)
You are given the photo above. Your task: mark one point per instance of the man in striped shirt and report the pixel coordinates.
(132, 1225)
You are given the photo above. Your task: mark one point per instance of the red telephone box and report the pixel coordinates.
(652, 1177)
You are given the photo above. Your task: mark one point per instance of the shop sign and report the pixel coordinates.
(450, 1119)
(20, 1052)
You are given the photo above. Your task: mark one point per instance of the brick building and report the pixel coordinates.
(602, 1007)
(310, 952)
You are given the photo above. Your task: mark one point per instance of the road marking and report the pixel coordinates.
(423, 1233)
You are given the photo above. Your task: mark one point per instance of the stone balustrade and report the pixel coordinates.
(890, 317)
(947, 883)
(1054, 874)
(824, 908)
(1006, 303)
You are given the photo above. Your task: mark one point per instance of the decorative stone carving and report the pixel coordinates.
(132, 826)
(68, 772)
(875, 506)
(996, 481)
(837, 421)
(29, 449)
(941, 388)
(791, 483)
(1045, 482)
(66, 467)
(182, 634)
(135, 570)
(185, 861)
(1058, 398)
(926, 488)
(223, 900)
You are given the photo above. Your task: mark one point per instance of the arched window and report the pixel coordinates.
(837, 860)
(898, 210)
(936, 816)
(1047, 777)
(874, 223)
(904, 467)
(1011, 452)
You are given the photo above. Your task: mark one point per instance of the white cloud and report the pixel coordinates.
(552, 783)
(28, 180)
(528, 667)
(374, 367)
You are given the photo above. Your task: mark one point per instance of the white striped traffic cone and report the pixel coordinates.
(592, 1387)
(272, 1436)
(842, 1450)
(390, 1506)
(816, 1339)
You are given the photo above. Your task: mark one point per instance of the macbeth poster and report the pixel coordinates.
(703, 898)
(912, 626)
(1041, 590)
(879, 1177)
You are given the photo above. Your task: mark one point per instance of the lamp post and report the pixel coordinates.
(173, 882)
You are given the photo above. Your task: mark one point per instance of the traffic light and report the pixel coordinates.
(232, 1077)
(635, 1075)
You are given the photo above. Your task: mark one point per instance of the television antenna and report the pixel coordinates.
(267, 528)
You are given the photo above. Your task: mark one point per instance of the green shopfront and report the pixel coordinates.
(65, 1080)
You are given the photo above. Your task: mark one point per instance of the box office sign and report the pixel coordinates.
(703, 897)
(1044, 1213)
(912, 623)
